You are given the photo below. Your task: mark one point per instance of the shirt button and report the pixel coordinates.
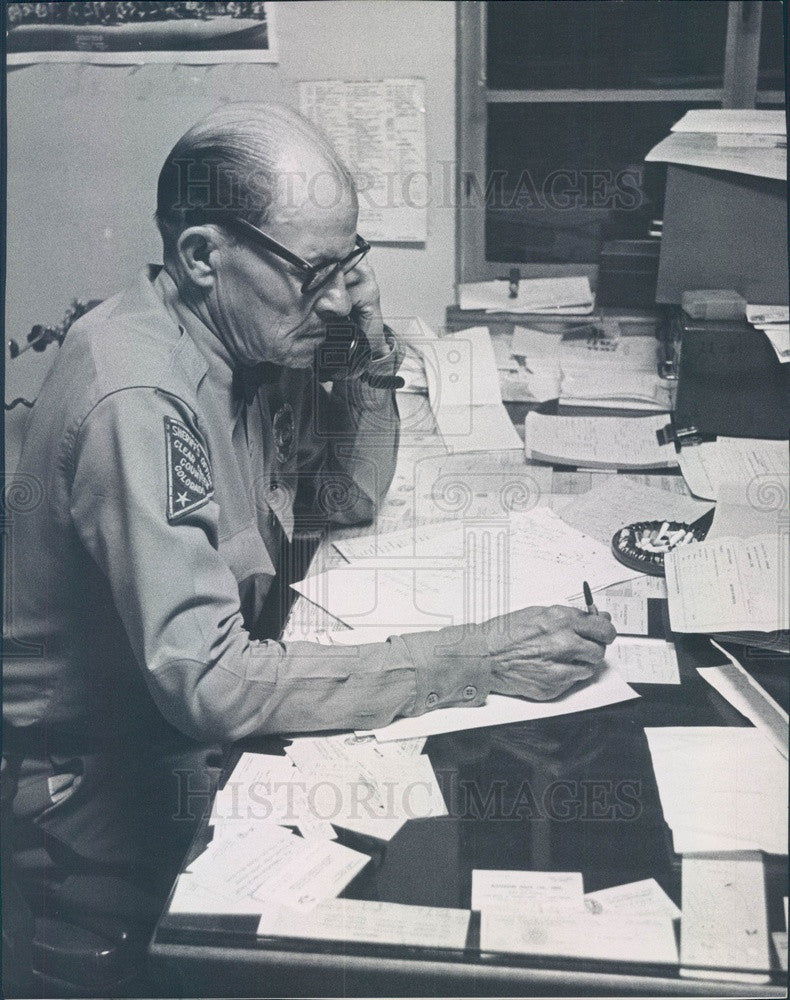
(470, 692)
(432, 700)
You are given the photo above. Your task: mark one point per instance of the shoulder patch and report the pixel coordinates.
(189, 482)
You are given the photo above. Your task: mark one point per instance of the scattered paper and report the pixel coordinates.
(729, 584)
(527, 891)
(607, 688)
(614, 938)
(619, 501)
(253, 861)
(779, 335)
(779, 939)
(767, 314)
(696, 149)
(550, 296)
(371, 921)
(308, 752)
(741, 121)
(721, 788)
(602, 442)
(732, 460)
(644, 661)
(744, 693)
(724, 925)
(463, 388)
(634, 899)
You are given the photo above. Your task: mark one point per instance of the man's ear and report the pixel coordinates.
(194, 248)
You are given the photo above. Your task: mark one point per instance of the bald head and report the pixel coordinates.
(255, 161)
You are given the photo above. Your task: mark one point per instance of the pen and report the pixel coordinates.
(591, 608)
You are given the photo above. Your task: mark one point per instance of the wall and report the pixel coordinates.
(85, 144)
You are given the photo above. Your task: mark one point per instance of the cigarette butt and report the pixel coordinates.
(664, 527)
(675, 537)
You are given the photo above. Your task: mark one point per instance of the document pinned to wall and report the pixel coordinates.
(378, 128)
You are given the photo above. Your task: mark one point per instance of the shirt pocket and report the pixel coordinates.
(245, 554)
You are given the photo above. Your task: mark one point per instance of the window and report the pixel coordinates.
(560, 101)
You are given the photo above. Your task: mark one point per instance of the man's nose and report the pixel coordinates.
(334, 297)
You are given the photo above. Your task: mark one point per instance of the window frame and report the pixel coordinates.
(739, 90)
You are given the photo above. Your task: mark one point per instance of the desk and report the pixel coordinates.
(536, 796)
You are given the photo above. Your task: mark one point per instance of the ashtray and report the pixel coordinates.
(643, 545)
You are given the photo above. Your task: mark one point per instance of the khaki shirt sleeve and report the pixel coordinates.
(349, 445)
(179, 603)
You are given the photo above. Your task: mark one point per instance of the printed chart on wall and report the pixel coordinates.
(140, 32)
(379, 127)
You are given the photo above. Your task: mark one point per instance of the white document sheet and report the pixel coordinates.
(779, 335)
(721, 788)
(312, 751)
(732, 460)
(252, 863)
(729, 584)
(267, 787)
(695, 149)
(471, 573)
(744, 693)
(598, 442)
(779, 939)
(607, 688)
(644, 661)
(725, 924)
(527, 891)
(613, 938)
(740, 121)
(645, 898)
(463, 388)
(619, 501)
(569, 296)
(377, 795)
(373, 922)
(767, 314)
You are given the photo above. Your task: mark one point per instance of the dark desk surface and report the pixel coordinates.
(566, 794)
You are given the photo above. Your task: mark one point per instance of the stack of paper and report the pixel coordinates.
(774, 321)
(745, 141)
(722, 789)
(546, 913)
(542, 296)
(729, 585)
(463, 388)
(598, 442)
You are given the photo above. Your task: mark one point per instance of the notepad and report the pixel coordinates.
(598, 442)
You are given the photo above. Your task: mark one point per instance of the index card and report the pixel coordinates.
(645, 898)
(724, 929)
(371, 921)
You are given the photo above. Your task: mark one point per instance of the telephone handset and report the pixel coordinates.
(346, 355)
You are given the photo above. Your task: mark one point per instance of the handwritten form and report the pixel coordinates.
(598, 442)
(729, 584)
(378, 128)
(618, 501)
(644, 661)
(725, 924)
(721, 788)
(732, 460)
(371, 921)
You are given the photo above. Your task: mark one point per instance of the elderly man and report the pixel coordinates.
(180, 433)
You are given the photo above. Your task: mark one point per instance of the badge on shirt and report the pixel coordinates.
(283, 431)
(189, 482)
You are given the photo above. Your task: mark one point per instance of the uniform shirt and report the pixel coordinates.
(137, 574)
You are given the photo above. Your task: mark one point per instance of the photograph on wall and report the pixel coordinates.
(140, 31)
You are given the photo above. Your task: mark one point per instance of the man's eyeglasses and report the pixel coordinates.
(314, 276)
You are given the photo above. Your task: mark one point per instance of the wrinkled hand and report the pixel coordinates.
(363, 290)
(541, 652)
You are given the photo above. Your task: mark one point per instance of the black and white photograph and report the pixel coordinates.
(186, 31)
(396, 499)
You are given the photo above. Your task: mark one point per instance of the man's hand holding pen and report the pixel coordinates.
(541, 652)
